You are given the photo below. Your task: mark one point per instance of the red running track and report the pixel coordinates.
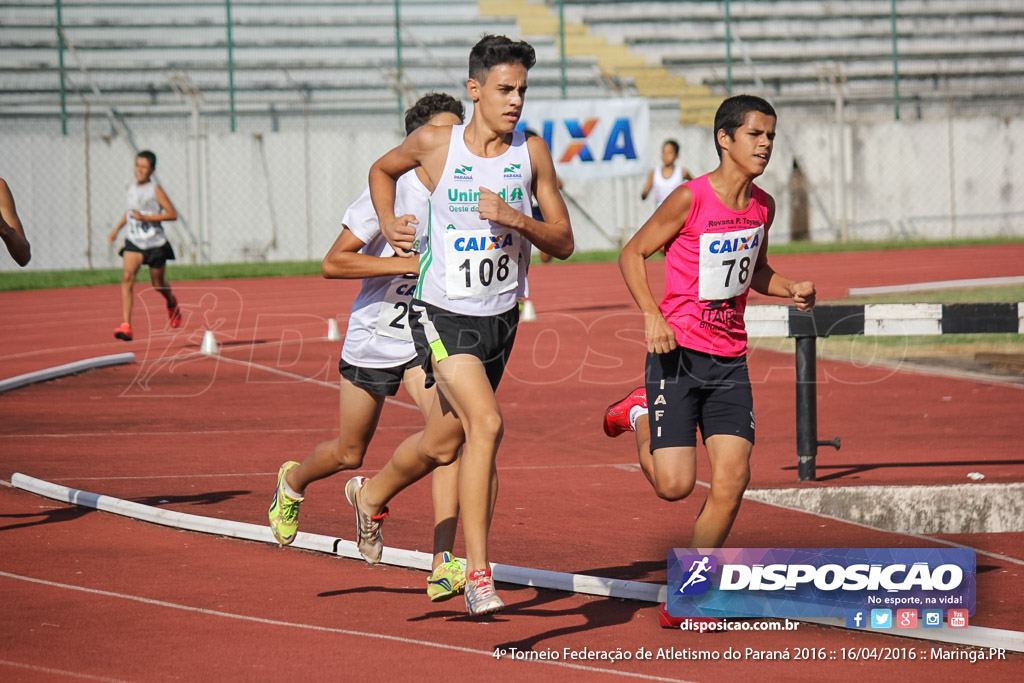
(125, 600)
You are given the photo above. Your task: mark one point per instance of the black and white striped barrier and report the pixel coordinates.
(866, 319)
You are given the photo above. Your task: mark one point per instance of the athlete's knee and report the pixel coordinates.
(348, 456)
(673, 487)
(729, 484)
(442, 456)
(128, 278)
(490, 426)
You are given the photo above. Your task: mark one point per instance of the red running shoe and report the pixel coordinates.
(616, 417)
(123, 332)
(699, 624)
(174, 316)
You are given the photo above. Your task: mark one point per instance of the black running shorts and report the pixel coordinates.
(157, 257)
(439, 334)
(687, 390)
(377, 381)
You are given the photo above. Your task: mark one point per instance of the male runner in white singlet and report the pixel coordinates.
(472, 267)
(377, 356)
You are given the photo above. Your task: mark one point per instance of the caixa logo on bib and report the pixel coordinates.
(817, 582)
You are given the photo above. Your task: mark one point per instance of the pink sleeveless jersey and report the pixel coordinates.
(708, 268)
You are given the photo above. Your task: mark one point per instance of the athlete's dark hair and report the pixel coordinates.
(494, 50)
(430, 105)
(675, 145)
(733, 112)
(148, 156)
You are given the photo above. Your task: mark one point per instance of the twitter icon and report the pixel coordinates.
(881, 618)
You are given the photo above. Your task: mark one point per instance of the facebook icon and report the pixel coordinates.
(856, 618)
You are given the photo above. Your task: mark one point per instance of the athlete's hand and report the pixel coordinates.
(493, 208)
(138, 216)
(411, 263)
(660, 337)
(803, 294)
(400, 233)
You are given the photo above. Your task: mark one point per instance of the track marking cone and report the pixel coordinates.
(209, 346)
(528, 314)
(332, 330)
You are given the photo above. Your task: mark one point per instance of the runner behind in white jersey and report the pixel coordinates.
(378, 355)
(471, 269)
(661, 180)
(145, 242)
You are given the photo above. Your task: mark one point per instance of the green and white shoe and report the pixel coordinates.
(284, 510)
(448, 580)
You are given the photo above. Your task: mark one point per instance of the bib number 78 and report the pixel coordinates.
(744, 273)
(727, 261)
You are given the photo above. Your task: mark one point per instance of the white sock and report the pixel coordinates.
(634, 413)
(290, 493)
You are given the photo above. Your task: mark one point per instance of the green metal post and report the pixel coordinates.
(561, 44)
(728, 50)
(895, 64)
(60, 62)
(398, 60)
(231, 65)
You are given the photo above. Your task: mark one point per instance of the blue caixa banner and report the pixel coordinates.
(817, 582)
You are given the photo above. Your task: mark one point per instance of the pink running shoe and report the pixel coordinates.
(174, 316)
(616, 417)
(123, 332)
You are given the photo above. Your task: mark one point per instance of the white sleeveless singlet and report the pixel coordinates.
(662, 187)
(378, 333)
(144, 234)
(471, 266)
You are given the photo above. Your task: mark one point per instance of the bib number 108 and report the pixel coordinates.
(487, 271)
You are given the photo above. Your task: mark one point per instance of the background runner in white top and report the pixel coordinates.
(472, 266)
(662, 187)
(144, 234)
(378, 329)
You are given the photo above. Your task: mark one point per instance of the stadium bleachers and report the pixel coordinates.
(946, 48)
(341, 55)
(338, 56)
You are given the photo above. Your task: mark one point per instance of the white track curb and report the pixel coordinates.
(976, 636)
(67, 369)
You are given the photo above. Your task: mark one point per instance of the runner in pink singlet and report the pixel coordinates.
(716, 249)
(716, 232)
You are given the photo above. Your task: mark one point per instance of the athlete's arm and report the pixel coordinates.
(766, 281)
(647, 185)
(658, 231)
(11, 230)
(553, 235)
(169, 214)
(117, 228)
(419, 148)
(344, 261)
(686, 174)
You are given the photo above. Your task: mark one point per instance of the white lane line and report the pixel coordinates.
(201, 433)
(302, 378)
(59, 672)
(322, 629)
(939, 284)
